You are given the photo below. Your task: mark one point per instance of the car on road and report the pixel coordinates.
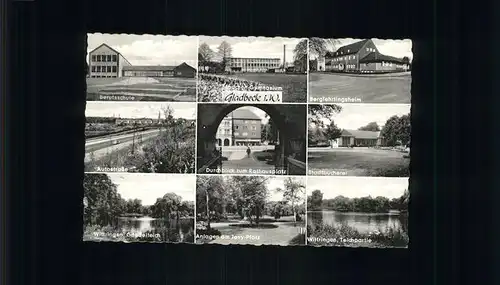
(115, 142)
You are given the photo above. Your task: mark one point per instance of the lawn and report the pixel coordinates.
(294, 85)
(142, 89)
(360, 162)
(269, 231)
(386, 89)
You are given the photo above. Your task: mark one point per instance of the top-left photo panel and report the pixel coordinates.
(122, 67)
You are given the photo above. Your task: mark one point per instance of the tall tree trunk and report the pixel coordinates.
(208, 210)
(294, 215)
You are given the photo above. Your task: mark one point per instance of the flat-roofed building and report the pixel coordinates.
(241, 64)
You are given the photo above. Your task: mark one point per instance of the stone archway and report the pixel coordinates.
(290, 120)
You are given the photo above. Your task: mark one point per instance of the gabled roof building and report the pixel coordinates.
(106, 62)
(361, 57)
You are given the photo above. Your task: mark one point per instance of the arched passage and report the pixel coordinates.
(226, 142)
(290, 121)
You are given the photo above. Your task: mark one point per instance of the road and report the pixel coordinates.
(102, 146)
(334, 88)
(239, 162)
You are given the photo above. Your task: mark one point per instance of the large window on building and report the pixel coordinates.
(108, 68)
(114, 68)
(93, 58)
(93, 68)
(114, 58)
(98, 68)
(108, 57)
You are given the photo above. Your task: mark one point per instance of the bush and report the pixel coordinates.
(383, 238)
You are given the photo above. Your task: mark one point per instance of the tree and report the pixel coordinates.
(396, 130)
(293, 193)
(315, 136)
(253, 193)
(332, 132)
(406, 60)
(317, 113)
(372, 127)
(224, 51)
(316, 46)
(205, 53)
(103, 203)
(315, 200)
(208, 189)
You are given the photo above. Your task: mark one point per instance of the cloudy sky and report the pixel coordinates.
(257, 112)
(149, 187)
(395, 48)
(354, 116)
(149, 49)
(139, 109)
(278, 182)
(252, 47)
(356, 187)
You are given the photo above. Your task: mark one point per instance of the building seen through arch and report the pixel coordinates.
(242, 127)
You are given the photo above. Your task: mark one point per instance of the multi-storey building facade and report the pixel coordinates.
(106, 62)
(363, 57)
(240, 127)
(238, 64)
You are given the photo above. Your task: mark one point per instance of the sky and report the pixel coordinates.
(149, 49)
(257, 112)
(395, 48)
(149, 187)
(278, 182)
(255, 46)
(356, 187)
(132, 110)
(354, 116)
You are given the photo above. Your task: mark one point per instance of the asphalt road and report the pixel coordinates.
(101, 146)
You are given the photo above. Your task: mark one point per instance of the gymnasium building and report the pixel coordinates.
(106, 62)
(361, 57)
(240, 64)
(240, 127)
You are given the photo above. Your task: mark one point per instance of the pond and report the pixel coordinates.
(145, 224)
(362, 222)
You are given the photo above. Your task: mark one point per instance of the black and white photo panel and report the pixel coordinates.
(252, 70)
(145, 137)
(359, 140)
(250, 209)
(360, 70)
(122, 67)
(357, 212)
(125, 207)
(260, 139)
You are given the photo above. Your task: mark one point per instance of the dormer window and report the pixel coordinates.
(348, 51)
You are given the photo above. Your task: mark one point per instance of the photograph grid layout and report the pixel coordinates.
(247, 140)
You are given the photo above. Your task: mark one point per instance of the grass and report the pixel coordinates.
(294, 85)
(369, 162)
(151, 156)
(159, 234)
(267, 156)
(389, 237)
(269, 231)
(387, 89)
(115, 86)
